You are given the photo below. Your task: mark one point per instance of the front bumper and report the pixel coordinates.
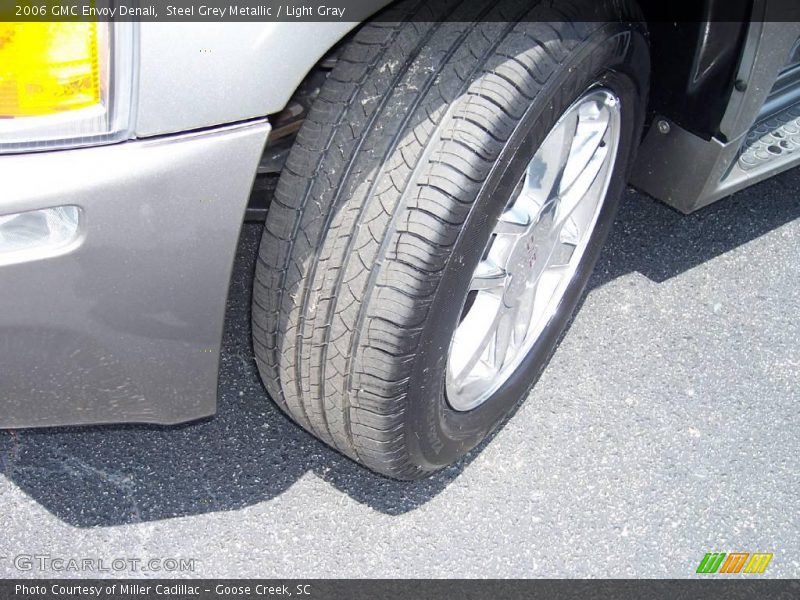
(126, 325)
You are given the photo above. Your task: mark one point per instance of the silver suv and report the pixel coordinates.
(436, 183)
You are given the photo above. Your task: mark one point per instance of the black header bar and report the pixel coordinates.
(322, 10)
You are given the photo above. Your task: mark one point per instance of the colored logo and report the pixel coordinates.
(734, 562)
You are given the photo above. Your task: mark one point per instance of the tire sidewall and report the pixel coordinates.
(615, 57)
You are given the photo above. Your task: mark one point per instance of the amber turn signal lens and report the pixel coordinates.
(48, 68)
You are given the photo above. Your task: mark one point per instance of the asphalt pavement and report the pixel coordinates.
(665, 427)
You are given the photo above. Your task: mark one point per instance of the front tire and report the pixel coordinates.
(389, 203)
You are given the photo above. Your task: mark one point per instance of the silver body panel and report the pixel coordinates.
(194, 75)
(126, 325)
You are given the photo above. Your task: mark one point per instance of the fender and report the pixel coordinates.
(198, 75)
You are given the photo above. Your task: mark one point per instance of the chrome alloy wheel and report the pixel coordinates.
(534, 250)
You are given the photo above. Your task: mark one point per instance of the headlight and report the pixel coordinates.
(64, 84)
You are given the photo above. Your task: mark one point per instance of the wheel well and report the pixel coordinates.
(693, 62)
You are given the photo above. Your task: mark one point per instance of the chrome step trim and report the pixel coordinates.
(771, 139)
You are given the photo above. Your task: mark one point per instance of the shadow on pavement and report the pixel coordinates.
(248, 453)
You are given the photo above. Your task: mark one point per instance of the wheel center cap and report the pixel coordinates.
(529, 257)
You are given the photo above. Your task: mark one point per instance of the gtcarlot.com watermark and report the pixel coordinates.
(83, 564)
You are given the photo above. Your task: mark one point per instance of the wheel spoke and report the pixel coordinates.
(545, 288)
(570, 234)
(546, 170)
(524, 314)
(503, 338)
(513, 221)
(589, 134)
(488, 276)
(571, 197)
(477, 350)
